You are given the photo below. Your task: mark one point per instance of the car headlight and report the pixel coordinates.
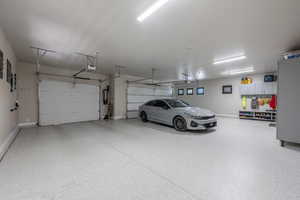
(191, 115)
(196, 117)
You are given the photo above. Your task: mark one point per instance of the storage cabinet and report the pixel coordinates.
(260, 88)
(288, 101)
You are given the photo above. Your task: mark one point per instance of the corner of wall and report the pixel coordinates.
(27, 124)
(119, 117)
(4, 146)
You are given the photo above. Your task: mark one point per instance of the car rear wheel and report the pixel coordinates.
(180, 124)
(144, 117)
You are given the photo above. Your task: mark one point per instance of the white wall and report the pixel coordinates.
(8, 120)
(222, 104)
(27, 93)
(119, 97)
(28, 88)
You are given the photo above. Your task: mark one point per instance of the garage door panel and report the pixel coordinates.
(140, 90)
(163, 92)
(133, 107)
(140, 98)
(132, 114)
(62, 102)
(138, 95)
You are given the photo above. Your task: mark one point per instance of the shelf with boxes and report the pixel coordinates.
(268, 115)
(259, 98)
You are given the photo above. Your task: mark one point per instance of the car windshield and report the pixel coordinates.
(174, 103)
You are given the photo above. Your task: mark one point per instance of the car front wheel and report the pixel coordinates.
(180, 124)
(144, 117)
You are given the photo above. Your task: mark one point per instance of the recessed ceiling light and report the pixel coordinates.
(238, 71)
(157, 5)
(227, 60)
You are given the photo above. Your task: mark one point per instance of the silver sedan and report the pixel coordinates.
(177, 113)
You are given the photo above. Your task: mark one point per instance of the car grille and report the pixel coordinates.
(210, 125)
(205, 118)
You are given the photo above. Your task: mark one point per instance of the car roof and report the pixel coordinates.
(163, 99)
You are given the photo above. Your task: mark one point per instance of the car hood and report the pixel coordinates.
(195, 111)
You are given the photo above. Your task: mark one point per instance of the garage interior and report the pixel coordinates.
(74, 76)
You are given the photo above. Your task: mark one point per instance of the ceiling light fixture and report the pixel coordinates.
(227, 60)
(157, 5)
(239, 71)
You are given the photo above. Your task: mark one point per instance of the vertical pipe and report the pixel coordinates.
(96, 60)
(37, 86)
(126, 94)
(100, 100)
(153, 75)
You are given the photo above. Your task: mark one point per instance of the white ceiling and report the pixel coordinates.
(185, 35)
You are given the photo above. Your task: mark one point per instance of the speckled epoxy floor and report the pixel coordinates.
(129, 160)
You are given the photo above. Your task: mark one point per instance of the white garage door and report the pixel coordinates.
(138, 94)
(63, 102)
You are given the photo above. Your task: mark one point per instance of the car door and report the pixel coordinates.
(149, 108)
(162, 112)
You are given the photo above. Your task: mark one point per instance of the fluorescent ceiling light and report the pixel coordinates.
(227, 60)
(157, 5)
(239, 71)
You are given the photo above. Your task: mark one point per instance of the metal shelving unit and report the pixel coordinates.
(259, 115)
